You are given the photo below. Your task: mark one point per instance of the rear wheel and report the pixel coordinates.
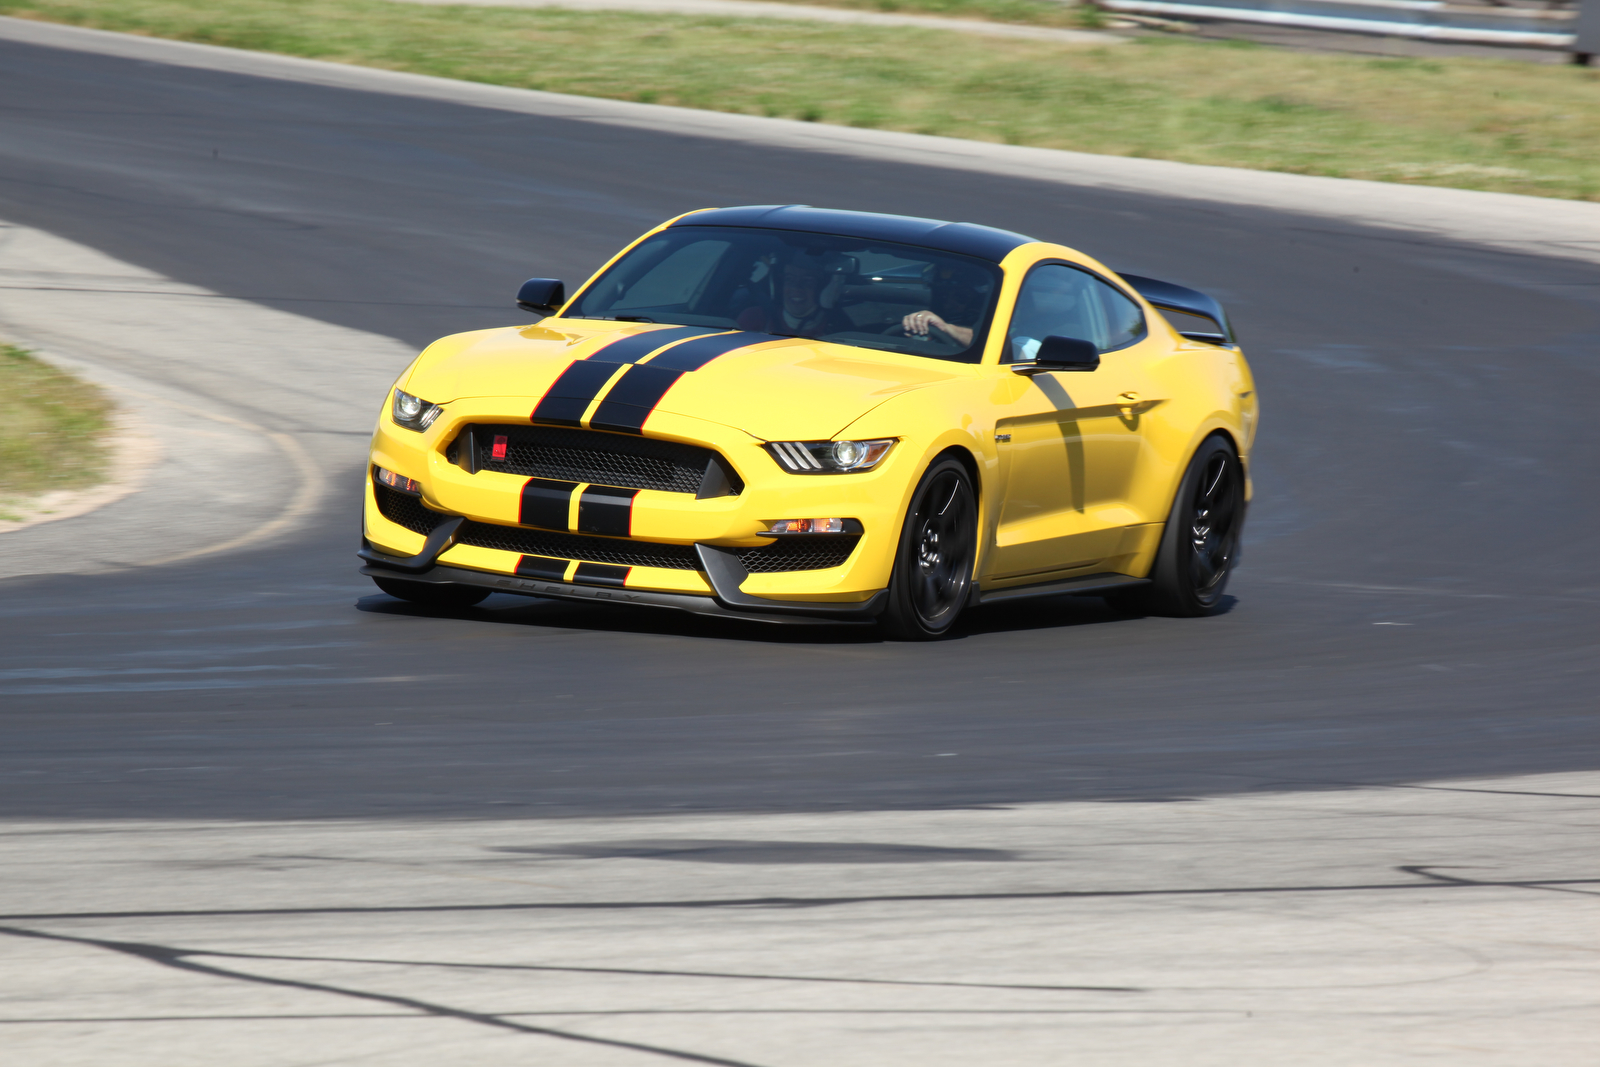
(933, 568)
(432, 594)
(1201, 540)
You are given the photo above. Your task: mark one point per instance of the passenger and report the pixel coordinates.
(960, 294)
(805, 302)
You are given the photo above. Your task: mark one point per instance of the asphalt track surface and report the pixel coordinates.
(1417, 599)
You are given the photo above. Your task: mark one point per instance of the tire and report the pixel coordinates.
(1200, 543)
(932, 575)
(432, 594)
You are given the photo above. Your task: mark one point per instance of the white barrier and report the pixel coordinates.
(1587, 44)
(1425, 19)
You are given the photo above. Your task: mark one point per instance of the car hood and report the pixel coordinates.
(772, 388)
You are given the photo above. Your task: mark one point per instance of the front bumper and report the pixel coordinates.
(731, 603)
(672, 535)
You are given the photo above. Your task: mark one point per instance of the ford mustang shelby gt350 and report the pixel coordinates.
(804, 415)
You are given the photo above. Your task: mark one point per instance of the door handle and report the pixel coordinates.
(1130, 403)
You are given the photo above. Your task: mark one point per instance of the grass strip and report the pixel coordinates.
(1072, 16)
(1032, 12)
(1470, 123)
(52, 428)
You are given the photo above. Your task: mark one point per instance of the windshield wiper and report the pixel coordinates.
(632, 318)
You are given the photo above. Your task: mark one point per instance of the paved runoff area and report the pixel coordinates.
(1449, 922)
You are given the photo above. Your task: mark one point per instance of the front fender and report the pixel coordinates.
(932, 421)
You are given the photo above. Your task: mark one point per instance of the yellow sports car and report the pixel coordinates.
(789, 414)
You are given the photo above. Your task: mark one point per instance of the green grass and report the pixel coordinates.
(52, 428)
(1470, 123)
(1033, 12)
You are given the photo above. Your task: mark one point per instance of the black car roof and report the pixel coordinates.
(964, 238)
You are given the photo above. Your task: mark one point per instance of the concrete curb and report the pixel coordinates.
(1519, 224)
(222, 446)
(131, 451)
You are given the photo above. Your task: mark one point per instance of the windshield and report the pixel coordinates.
(892, 297)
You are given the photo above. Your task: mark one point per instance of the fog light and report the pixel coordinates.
(398, 482)
(814, 526)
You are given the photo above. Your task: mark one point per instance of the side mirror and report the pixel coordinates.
(542, 295)
(1062, 353)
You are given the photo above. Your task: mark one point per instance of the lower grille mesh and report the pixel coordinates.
(403, 509)
(798, 554)
(794, 554)
(578, 546)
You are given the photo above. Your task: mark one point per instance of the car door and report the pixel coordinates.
(1069, 443)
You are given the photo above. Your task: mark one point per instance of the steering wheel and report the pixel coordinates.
(898, 329)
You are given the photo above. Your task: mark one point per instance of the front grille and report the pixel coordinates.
(790, 554)
(592, 456)
(406, 510)
(798, 554)
(578, 546)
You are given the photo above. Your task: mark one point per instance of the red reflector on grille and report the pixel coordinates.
(499, 451)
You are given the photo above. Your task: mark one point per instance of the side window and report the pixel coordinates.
(1124, 319)
(1061, 301)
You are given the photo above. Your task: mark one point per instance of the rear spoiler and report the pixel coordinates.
(1169, 297)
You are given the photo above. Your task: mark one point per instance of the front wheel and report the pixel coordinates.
(1201, 541)
(432, 594)
(932, 575)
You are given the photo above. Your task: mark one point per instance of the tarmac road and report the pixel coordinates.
(254, 812)
(1417, 599)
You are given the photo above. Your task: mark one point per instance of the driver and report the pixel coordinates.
(808, 290)
(959, 293)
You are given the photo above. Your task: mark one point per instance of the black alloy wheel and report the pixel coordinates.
(1201, 541)
(432, 594)
(1212, 526)
(932, 576)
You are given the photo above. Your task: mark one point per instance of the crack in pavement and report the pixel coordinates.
(652, 973)
(179, 959)
(1428, 881)
(1554, 886)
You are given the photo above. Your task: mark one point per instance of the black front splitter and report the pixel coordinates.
(791, 612)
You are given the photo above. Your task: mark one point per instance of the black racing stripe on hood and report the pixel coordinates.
(634, 347)
(636, 394)
(570, 395)
(692, 355)
(633, 398)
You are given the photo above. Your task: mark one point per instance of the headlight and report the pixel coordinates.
(413, 412)
(829, 457)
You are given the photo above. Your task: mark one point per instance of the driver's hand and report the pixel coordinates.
(917, 323)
